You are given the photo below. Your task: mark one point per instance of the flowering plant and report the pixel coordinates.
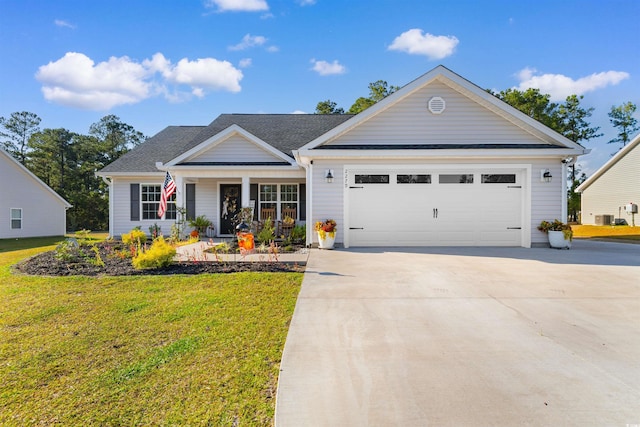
(557, 225)
(326, 227)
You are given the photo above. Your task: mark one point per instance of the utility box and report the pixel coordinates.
(631, 208)
(604, 219)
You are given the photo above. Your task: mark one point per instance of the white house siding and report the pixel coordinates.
(43, 213)
(328, 198)
(235, 149)
(207, 200)
(545, 196)
(615, 188)
(410, 122)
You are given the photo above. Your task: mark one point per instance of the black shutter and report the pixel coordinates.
(253, 195)
(135, 201)
(191, 201)
(303, 202)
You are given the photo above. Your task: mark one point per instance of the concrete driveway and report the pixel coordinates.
(465, 337)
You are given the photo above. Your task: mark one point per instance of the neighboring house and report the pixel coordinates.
(615, 185)
(440, 162)
(29, 208)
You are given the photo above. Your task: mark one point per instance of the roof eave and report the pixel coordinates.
(609, 164)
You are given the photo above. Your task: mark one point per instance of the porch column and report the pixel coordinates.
(180, 196)
(246, 192)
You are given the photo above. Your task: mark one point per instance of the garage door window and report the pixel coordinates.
(372, 179)
(413, 179)
(455, 178)
(499, 178)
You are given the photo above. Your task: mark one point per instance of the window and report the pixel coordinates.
(455, 178)
(288, 198)
(498, 178)
(16, 218)
(278, 197)
(413, 179)
(372, 179)
(150, 199)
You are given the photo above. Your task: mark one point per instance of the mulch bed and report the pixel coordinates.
(82, 262)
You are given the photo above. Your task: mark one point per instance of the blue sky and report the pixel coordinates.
(156, 63)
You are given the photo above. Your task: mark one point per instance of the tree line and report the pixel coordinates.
(67, 161)
(568, 118)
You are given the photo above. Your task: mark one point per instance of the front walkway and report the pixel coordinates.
(198, 252)
(465, 336)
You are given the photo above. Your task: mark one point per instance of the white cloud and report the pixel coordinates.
(64, 24)
(416, 43)
(245, 63)
(76, 80)
(249, 41)
(298, 112)
(306, 2)
(325, 68)
(560, 86)
(238, 5)
(206, 73)
(273, 49)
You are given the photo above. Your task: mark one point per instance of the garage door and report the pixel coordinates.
(445, 208)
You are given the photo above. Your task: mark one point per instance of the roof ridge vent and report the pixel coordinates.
(437, 105)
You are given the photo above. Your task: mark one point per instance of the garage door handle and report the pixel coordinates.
(356, 187)
(356, 228)
(514, 228)
(435, 213)
(514, 186)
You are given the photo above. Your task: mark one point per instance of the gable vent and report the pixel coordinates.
(437, 105)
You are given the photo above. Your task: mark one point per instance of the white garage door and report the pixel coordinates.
(442, 208)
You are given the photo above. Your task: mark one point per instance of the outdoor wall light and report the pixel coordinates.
(328, 176)
(545, 175)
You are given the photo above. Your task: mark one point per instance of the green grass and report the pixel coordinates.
(156, 350)
(617, 232)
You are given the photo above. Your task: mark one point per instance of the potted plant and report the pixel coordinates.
(326, 233)
(200, 223)
(560, 234)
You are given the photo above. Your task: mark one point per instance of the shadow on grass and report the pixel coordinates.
(8, 245)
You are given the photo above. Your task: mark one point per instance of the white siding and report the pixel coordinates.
(43, 214)
(327, 198)
(410, 122)
(235, 149)
(613, 189)
(122, 207)
(206, 196)
(545, 197)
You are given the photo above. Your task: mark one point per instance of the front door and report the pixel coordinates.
(229, 206)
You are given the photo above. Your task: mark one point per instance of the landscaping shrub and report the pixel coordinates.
(134, 237)
(160, 254)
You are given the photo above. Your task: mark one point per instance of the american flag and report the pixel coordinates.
(168, 188)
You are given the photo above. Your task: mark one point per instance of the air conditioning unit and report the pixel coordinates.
(604, 219)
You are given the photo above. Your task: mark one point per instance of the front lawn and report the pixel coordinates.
(150, 350)
(616, 232)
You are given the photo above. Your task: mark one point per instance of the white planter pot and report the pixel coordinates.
(327, 242)
(557, 240)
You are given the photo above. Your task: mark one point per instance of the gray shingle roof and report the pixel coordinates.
(285, 132)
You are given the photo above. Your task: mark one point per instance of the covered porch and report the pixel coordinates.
(276, 195)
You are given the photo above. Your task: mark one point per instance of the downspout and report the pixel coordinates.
(565, 188)
(310, 221)
(109, 183)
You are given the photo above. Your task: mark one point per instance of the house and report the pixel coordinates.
(607, 192)
(29, 207)
(440, 162)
